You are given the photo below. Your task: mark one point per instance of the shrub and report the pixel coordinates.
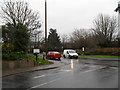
(43, 62)
(7, 48)
(14, 56)
(40, 60)
(104, 51)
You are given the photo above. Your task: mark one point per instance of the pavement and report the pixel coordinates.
(46, 67)
(35, 68)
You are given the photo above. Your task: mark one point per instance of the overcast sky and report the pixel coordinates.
(66, 15)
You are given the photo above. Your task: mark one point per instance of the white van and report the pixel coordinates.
(70, 53)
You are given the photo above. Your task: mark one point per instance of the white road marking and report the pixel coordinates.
(89, 71)
(43, 84)
(114, 67)
(60, 78)
(54, 80)
(39, 76)
(37, 86)
(59, 72)
(63, 71)
(93, 70)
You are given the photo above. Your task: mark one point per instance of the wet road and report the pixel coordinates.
(79, 73)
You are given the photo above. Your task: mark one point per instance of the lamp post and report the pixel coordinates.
(45, 27)
(118, 10)
(45, 21)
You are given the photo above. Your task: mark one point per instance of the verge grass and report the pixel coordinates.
(98, 56)
(40, 60)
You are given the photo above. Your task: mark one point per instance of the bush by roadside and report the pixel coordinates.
(14, 56)
(40, 60)
(98, 56)
(103, 51)
(22, 56)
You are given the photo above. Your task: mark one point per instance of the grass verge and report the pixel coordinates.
(98, 56)
(40, 60)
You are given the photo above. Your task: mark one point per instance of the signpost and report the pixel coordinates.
(83, 49)
(36, 51)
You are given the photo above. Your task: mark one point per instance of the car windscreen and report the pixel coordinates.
(56, 52)
(72, 51)
(53, 52)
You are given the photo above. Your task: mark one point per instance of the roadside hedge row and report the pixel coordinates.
(103, 51)
(14, 56)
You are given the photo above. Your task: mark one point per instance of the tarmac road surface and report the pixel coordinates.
(78, 73)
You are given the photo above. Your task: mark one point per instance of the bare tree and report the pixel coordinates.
(80, 38)
(104, 29)
(64, 40)
(14, 12)
(38, 38)
(18, 12)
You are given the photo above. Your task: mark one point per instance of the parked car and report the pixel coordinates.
(70, 53)
(53, 55)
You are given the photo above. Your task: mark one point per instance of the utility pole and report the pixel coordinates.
(46, 27)
(118, 10)
(45, 21)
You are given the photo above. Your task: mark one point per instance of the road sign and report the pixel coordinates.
(36, 51)
(83, 49)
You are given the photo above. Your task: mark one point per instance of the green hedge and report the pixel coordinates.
(103, 51)
(22, 56)
(100, 51)
(14, 56)
(40, 60)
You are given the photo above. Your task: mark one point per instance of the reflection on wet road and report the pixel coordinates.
(77, 74)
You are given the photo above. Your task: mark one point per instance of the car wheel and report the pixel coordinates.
(70, 57)
(64, 56)
(76, 57)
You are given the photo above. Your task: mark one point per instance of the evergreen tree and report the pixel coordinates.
(21, 38)
(17, 35)
(54, 42)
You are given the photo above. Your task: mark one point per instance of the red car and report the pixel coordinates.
(53, 55)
